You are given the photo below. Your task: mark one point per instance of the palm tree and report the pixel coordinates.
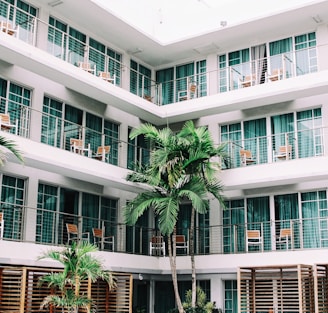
(172, 163)
(11, 146)
(79, 266)
(198, 154)
(165, 201)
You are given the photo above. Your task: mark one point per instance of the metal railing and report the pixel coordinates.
(41, 226)
(58, 132)
(105, 63)
(277, 147)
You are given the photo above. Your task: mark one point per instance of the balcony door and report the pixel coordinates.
(259, 63)
(69, 208)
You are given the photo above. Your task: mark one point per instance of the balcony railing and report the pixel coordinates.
(277, 148)
(100, 62)
(58, 132)
(104, 146)
(41, 226)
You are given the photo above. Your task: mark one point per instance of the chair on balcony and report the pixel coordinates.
(86, 66)
(8, 28)
(107, 77)
(254, 239)
(74, 235)
(77, 146)
(276, 74)
(102, 153)
(285, 238)
(189, 93)
(246, 157)
(2, 225)
(284, 153)
(247, 81)
(5, 123)
(148, 98)
(157, 244)
(182, 243)
(101, 240)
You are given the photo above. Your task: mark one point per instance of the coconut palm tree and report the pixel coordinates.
(79, 265)
(10, 146)
(176, 159)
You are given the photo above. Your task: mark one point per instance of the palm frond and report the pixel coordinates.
(11, 146)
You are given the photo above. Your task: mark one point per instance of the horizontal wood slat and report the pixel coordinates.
(15, 298)
(276, 289)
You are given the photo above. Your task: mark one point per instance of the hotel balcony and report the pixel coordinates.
(49, 228)
(103, 77)
(273, 159)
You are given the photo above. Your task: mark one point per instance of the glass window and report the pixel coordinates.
(108, 215)
(309, 133)
(255, 139)
(57, 38)
(184, 76)
(306, 54)
(230, 296)
(114, 65)
(258, 218)
(165, 81)
(73, 124)
(7, 10)
(111, 131)
(201, 228)
(138, 151)
(22, 15)
(240, 66)
(281, 57)
(174, 84)
(232, 135)
(51, 128)
(12, 206)
(76, 47)
(97, 55)
(282, 130)
(201, 78)
(90, 212)
(140, 80)
(314, 213)
(46, 228)
(286, 210)
(137, 236)
(99, 212)
(233, 226)
(93, 131)
(223, 74)
(16, 102)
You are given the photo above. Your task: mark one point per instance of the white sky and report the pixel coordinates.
(170, 20)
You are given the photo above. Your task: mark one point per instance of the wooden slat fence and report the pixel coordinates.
(276, 289)
(20, 291)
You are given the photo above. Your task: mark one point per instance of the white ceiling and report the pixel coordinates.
(189, 28)
(174, 20)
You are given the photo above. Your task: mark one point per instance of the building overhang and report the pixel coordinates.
(18, 53)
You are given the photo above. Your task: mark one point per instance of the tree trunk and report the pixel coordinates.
(192, 258)
(173, 257)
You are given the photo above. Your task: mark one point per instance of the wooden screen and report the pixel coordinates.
(20, 291)
(276, 289)
(120, 299)
(321, 288)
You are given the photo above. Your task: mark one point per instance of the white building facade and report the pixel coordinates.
(260, 86)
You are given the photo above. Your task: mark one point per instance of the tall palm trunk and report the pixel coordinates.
(192, 258)
(173, 263)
